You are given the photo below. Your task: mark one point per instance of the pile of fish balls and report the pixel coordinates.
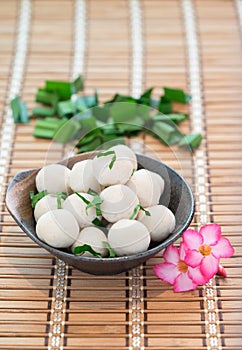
(109, 201)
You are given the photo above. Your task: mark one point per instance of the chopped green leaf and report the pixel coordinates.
(165, 106)
(86, 201)
(66, 108)
(46, 97)
(133, 171)
(111, 252)
(86, 248)
(78, 84)
(108, 153)
(191, 141)
(101, 113)
(145, 97)
(176, 95)
(62, 88)
(171, 119)
(47, 128)
(92, 193)
(19, 110)
(136, 209)
(34, 198)
(96, 202)
(43, 112)
(97, 222)
(121, 98)
(60, 196)
(167, 133)
(67, 131)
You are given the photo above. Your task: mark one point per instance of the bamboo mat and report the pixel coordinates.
(124, 46)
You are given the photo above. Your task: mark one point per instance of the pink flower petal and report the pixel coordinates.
(192, 239)
(193, 258)
(182, 251)
(196, 275)
(222, 249)
(209, 266)
(184, 283)
(171, 254)
(221, 271)
(211, 233)
(166, 272)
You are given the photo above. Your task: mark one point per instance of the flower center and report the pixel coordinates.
(205, 249)
(182, 266)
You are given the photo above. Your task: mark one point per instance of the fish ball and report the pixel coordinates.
(58, 228)
(82, 177)
(94, 237)
(53, 178)
(45, 204)
(128, 237)
(122, 168)
(148, 186)
(160, 223)
(119, 202)
(77, 207)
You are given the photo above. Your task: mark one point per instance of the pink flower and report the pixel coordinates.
(175, 270)
(205, 248)
(221, 271)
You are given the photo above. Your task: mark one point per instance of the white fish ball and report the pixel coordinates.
(128, 237)
(58, 228)
(160, 223)
(45, 204)
(119, 202)
(94, 237)
(82, 177)
(148, 186)
(122, 168)
(53, 178)
(77, 207)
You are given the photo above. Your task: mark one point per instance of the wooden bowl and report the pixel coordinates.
(177, 196)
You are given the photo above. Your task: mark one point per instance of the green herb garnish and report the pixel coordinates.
(108, 153)
(176, 95)
(97, 222)
(86, 201)
(34, 198)
(136, 209)
(111, 252)
(98, 126)
(19, 110)
(191, 141)
(60, 196)
(86, 248)
(96, 202)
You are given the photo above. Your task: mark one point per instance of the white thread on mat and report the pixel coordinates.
(213, 335)
(137, 48)
(136, 302)
(58, 307)
(79, 37)
(16, 80)
(238, 5)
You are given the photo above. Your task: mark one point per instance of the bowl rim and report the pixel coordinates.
(148, 253)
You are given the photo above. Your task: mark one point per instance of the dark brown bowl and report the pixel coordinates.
(177, 196)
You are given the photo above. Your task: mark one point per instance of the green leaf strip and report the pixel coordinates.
(86, 201)
(136, 209)
(111, 252)
(60, 196)
(86, 248)
(108, 153)
(34, 198)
